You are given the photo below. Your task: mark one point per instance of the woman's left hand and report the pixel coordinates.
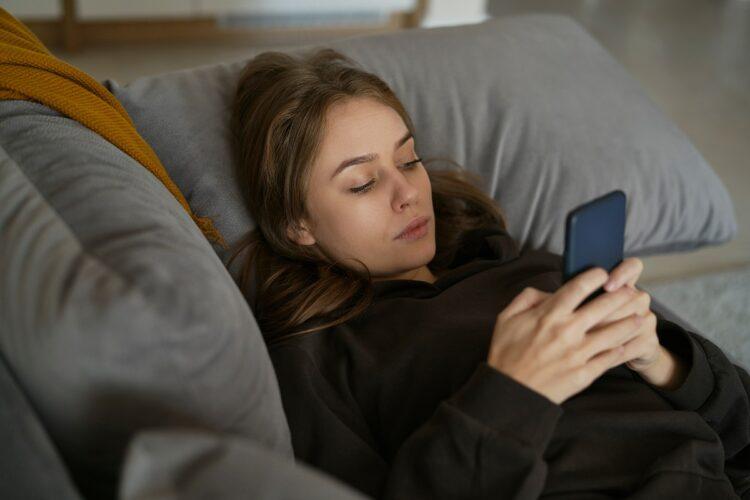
(644, 350)
(644, 353)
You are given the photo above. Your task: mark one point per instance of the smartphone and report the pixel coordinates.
(595, 237)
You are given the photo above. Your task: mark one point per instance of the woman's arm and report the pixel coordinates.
(717, 390)
(486, 441)
(727, 411)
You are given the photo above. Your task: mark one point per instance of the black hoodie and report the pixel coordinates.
(401, 403)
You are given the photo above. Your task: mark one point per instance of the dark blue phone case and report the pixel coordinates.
(595, 236)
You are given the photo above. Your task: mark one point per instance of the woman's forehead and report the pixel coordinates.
(361, 119)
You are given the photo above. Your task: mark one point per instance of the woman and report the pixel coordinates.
(445, 364)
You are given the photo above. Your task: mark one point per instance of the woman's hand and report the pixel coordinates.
(542, 341)
(643, 351)
(644, 354)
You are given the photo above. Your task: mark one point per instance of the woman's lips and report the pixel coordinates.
(414, 224)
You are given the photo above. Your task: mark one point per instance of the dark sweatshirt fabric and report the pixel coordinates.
(401, 403)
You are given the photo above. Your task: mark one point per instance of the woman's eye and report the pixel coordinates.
(366, 187)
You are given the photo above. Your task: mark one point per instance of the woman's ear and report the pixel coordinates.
(300, 235)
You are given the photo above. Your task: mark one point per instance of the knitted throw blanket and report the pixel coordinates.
(29, 71)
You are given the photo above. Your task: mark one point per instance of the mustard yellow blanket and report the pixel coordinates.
(31, 72)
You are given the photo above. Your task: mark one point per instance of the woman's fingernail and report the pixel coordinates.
(610, 285)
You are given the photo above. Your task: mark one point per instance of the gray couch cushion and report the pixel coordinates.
(532, 102)
(116, 312)
(30, 467)
(178, 464)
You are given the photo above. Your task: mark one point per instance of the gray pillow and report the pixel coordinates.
(531, 102)
(116, 313)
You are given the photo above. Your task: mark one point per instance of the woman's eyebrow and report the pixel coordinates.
(370, 156)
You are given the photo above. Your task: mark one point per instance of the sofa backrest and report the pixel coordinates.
(116, 313)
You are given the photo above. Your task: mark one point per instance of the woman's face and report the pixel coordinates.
(365, 225)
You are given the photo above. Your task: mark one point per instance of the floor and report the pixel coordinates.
(692, 57)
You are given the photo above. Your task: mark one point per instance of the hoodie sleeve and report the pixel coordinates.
(727, 411)
(716, 389)
(474, 445)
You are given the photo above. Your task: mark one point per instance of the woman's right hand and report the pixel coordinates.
(544, 343)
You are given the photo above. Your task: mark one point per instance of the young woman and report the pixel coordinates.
(420, 355)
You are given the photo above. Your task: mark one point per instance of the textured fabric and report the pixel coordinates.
(30, 467)
(533, 103)
(401, 402)
(115, 312)
(29, 71)
(179, 464)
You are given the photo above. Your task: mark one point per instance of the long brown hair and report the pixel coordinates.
(277, 125)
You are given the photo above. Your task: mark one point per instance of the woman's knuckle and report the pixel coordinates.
(547, 323)
(579, 288)
(557, 329)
